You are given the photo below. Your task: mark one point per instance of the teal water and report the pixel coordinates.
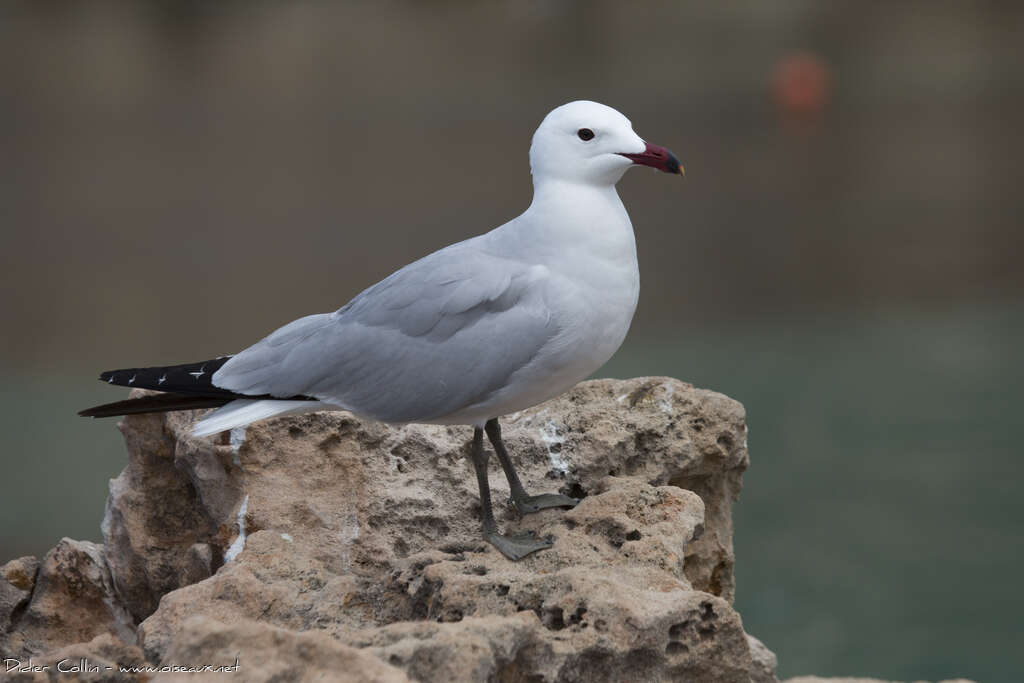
(879, 528)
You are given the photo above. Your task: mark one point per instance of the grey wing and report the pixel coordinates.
(441, 334)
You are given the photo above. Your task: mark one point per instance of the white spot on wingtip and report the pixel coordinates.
(239, 543)
(163, 378)
(132, 380)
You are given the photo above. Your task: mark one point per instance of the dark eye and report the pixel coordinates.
(585, 134)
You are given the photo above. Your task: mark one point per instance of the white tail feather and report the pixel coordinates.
(243, 411)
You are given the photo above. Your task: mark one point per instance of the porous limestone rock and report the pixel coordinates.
(17, 579)
(343, 539)
(610, 597)
(371, 533)
(97, 661)
(71, 600)
(764, 662)
(154, 528)
(819, 679)
(365, 494)
(265, 654)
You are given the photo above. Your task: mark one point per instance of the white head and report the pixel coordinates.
(591, 143)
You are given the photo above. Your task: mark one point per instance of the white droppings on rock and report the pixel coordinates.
(666, 400)
(746, 434)
(621, 398)
(348, 534)
(236, 438)
(287, 537)
(239, 543)
(527, 417)
(553, 440)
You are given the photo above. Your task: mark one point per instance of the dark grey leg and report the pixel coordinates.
(512, 547)
(524, 502)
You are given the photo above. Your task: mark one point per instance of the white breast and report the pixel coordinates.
(587, 246)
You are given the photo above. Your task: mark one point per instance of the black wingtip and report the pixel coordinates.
(159, 403)
(190, 378)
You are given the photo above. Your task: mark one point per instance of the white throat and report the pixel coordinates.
(581, 218)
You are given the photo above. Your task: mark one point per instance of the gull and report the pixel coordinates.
(482, 328)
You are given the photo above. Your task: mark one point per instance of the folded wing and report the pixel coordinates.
(441, 334)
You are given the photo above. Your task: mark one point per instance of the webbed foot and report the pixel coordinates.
(529, 504)
(516, 547)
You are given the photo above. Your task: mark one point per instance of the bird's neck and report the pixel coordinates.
(567, 220)
(573, 211)
(554, 190)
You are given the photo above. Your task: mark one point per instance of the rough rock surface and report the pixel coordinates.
(154, 530)
(71, 600)
(764, 662)
(264, 653)
(97, 661)
(17, 580)
(324, 536)
(818, 679)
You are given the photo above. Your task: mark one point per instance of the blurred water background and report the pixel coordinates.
(179, 178)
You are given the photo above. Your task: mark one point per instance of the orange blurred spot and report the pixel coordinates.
(800, 85)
